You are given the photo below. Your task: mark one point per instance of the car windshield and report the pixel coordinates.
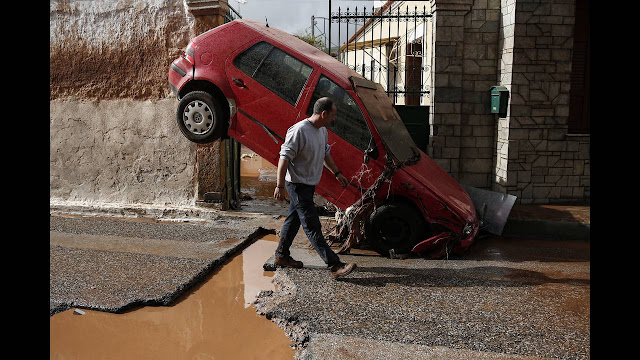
(385, 118)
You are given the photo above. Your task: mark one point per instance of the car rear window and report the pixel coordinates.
(350, 123)
(275, 69)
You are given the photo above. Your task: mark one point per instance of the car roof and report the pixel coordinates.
(305, 50)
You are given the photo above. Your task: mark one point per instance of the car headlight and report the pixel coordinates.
(467, 229)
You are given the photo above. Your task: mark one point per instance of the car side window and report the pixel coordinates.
(278, 71)
(350, 123)
(249, 60)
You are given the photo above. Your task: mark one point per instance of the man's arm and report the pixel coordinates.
(331, 165)
(283, 164)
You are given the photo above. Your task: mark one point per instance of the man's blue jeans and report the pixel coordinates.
(302, 211)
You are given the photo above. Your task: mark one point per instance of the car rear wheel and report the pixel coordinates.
(199, 117)
(394, 226)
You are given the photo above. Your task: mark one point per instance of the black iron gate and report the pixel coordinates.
(397, 35)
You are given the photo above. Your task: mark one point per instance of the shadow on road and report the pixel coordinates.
(484, 276)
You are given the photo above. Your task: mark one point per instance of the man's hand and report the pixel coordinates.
(278, 193)
(343, 180)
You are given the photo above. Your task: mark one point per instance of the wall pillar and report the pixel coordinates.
(464, 55)
(210, 161)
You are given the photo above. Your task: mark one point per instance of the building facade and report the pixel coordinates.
(539, 150)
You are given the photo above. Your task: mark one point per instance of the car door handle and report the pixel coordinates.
(239, 82)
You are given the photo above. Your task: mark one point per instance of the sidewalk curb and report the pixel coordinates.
(561, 230)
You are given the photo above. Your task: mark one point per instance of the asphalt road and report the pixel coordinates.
(505, 298)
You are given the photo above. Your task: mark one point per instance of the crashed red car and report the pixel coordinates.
(252, 82)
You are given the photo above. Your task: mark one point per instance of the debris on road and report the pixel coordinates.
(78, 312)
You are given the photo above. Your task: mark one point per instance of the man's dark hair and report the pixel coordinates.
(323, 104)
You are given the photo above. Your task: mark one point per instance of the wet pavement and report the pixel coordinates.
(113, 265)
(507, 297)
(213, 320)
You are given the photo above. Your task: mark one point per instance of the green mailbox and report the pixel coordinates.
(499, 100)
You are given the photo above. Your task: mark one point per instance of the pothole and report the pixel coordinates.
(214, 320)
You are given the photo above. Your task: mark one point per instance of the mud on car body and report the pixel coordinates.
(252, 82)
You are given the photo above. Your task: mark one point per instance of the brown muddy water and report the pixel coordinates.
(214, 321)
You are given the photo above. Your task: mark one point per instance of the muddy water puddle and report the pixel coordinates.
(213, 321)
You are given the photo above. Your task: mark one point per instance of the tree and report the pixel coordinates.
(316, 42)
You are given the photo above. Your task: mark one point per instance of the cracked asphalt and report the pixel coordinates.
(114, 265)
(506, 298)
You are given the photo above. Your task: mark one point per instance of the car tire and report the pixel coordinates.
(394, 226)
(200, 117)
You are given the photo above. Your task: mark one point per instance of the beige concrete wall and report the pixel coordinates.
(119, 151)
(113, 133)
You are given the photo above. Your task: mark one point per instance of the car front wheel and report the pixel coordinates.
(394, 226)
(199, 117)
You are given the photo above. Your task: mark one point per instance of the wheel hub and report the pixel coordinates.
(198, 117)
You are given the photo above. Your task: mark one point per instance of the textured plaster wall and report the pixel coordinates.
(113, 134)
(119, 151)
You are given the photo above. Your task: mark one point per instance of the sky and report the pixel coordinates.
(294, 16)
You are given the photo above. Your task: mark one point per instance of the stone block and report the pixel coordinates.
(544, 40)
(584, 151)
(493, 15)
(578, 192)
(450, 152)
(468, 142)
(560, 55)
(445, 164)
(554, 161)
(541, 146)
(452, 141)
(551, 19)
(451, 119)
(535, 134)
(562, 30)
(542, 112)
(541, 192)
(518, 134)
(540, 161)
(557, 146)
(478, 14)
(520, 110)
(563, 10)
(476, 165)
(451, 95)
(475, 180)
(578, 167)
(574, 181)
(484, 141)
(449, 20)
(483, 130)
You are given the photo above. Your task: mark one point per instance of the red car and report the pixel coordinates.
(252, 82)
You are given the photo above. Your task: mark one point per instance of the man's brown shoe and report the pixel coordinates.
(287, 261)
(342, 269)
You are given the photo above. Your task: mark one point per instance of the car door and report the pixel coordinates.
(350, 136)
(268, 84)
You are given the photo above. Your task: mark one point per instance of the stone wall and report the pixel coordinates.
(465, 50)
(525, 45)
(546, 165)
(113, 133)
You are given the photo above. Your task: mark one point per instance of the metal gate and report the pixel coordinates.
(387, 46)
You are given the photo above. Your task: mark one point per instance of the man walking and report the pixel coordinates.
(302, 156)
